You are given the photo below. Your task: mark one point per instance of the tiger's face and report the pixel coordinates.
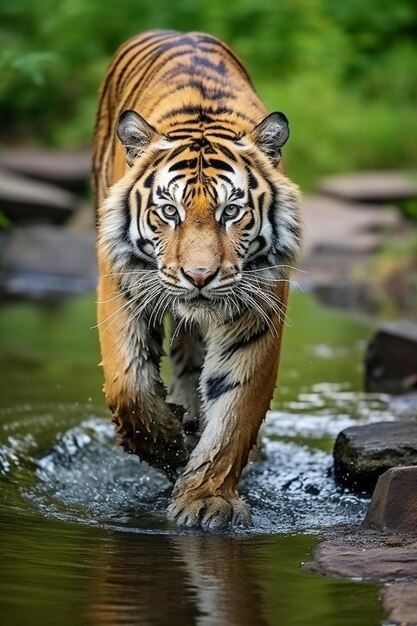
(204, 213)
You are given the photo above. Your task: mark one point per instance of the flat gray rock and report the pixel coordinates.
(338, 242)
(336, 226)
(46, 261)
(25, 200)
(66, 168)
(383, 562)
(381, 187)
(400, 602)
(366, 555)
(363, 453)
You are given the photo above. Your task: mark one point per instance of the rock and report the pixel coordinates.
(83, 220)
(344, 294)
(360, 560)
(365, 554)
(400, 602)
(362, 453)
(68, 169)
(339, 241)
(336, 226)
(381, 187)
(394, 502)
(26, 200)
(391, 359)
(46, 261)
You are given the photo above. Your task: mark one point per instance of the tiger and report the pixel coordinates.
(198, 227)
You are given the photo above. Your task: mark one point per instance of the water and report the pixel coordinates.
(84, 538)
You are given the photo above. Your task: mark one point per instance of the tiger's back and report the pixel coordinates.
(183, 84)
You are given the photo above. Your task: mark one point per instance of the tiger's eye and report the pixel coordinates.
(231, 211)
(169, 211)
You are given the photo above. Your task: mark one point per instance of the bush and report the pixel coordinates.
(344, 72)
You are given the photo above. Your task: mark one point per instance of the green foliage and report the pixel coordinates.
(409, 208)
(344, 72)
(4, 221)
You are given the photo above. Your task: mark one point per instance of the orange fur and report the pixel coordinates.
(202, 123)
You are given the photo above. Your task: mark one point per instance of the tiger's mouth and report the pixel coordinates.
(202, 300)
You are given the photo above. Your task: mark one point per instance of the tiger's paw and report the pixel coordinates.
(210, 512)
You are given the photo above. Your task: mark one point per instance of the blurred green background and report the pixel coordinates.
(343, 71)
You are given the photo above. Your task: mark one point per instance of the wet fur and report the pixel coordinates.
(204, 129)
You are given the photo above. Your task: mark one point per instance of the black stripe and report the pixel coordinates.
(143, 76)
(252, 180)
(189, 109)
(213, 41)
(153, 71)
(182, 165)
(272, 209)
(261, 201)
(155, 37)
(180, 134)
(245, 342)
(226, 152)
(139, 208)
(208, 93)
(219, 385)
(174, 180)
(127, 214)
(148, 182)
(218, 135)
(178, 151)
(221, 165)
(226, 178)
(148, 221)
(218, 68)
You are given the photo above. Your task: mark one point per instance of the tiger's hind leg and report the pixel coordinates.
(187, 356)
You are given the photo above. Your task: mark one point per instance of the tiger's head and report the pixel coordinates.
(205, 215)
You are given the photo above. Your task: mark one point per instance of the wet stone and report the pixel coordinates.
(372, 186)
(46, 261)
(366, 554)
(66, 168)
(26, 200)
(362, 559)
(391, 359)
(393, 506)
(400, 602)
(363, 453)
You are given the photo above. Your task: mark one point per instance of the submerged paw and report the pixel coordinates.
(212, 512)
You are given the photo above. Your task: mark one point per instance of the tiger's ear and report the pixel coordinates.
(135, 134)
(271, 134)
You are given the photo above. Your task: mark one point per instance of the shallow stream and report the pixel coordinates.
(84, 539)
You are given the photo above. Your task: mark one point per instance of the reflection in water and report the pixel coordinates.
(184, 580)
(199, 580)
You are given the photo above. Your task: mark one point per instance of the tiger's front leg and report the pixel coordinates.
(131, 352)
(237, 385)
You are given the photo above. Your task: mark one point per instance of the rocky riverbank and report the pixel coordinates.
(47, 240)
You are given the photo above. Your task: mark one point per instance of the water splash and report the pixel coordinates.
(82, 476)
(86, 478)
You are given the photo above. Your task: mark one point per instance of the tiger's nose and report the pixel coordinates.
(199, 277)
